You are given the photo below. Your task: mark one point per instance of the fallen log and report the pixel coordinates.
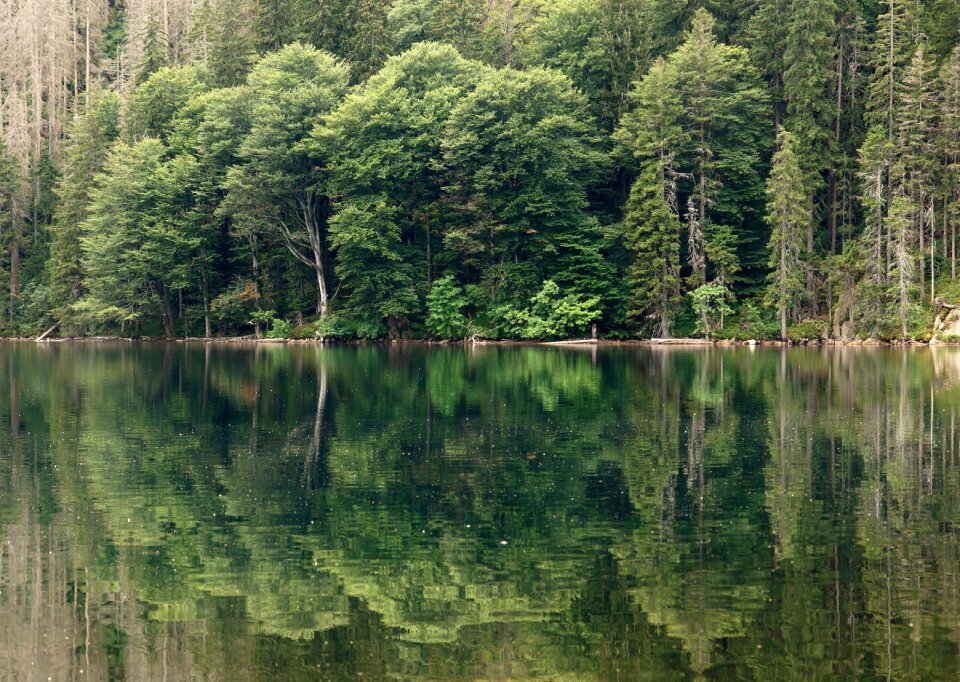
(48, 332)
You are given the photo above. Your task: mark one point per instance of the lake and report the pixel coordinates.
(225, 512)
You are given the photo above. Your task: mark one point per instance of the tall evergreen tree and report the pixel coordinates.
(788, 215)
(652, 236)
(89, 140)
(724, 103)
(948, 143)
(915, 156)
(156, 48)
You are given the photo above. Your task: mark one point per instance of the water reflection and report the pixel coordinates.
(205, 512)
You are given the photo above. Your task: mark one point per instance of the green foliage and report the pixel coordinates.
(445, 304)
(523, 151)
(156, 102)
(808, 330)
(788, 215)
(652, 235)
(280, 329)
(751, 323)
(139, 238)
(332, 327)
(235, 305)
(356, 149)
(382, 148)
(550, 315)
(274, 182)
(710, 305)
(86, 150)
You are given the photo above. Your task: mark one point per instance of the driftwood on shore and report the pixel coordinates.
(48, 332)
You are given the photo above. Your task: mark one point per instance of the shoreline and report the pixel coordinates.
(670, 343)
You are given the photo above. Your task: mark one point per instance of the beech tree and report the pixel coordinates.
(381, 151)
(522, 151)
(276, 178)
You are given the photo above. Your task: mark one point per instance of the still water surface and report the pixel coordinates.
(298, 513)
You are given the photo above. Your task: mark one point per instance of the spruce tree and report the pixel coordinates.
(89, 139)
(156, 49)
(903, 280)
(914, 166)
(652, 236)
(948, 148)
(873, 251)
(788, 215)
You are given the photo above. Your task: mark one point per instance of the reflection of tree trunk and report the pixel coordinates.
(207, 331)
(206, 380)
(317, 441)
(14, 404)
(255, 417)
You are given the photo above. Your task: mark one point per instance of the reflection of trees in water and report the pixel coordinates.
(672, 507)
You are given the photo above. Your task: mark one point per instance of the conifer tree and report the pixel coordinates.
(873, 251)
(652, 235)
(914, 167)
(887, 57)
(724, 101)
(948, 143)
(903, 279)
(156, 48)
(89, 141)
(788, 215)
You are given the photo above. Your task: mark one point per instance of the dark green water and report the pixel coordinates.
(298, 513)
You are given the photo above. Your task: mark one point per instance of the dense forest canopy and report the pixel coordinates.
(479, 168)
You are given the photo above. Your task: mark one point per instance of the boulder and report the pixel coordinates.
(949, 324)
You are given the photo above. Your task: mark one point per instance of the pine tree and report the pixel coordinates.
(231, 43)
(84, 155)
(948, 142)
(887, 58)
(873, 253)
(274, 23)
(903, 280)
(913, 170)
(788, 215)
(156, 48)
(652, 236)
(808, 76)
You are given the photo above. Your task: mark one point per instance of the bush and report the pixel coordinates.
(710, 305)
(233, 307)
(549, 316)
(445, 304)
(280, 329)
(332, 327)
(808, 330)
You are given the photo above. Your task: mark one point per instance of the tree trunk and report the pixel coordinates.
(14, 273)
(166, 311)
(206, 308)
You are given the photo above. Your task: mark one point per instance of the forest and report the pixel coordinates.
(487, 169)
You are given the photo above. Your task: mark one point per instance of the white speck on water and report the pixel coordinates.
(503, 542)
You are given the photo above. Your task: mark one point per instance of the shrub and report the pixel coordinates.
(808, 330)
(549, 315)
(280, 329)
(710, 304)
(445, 304)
